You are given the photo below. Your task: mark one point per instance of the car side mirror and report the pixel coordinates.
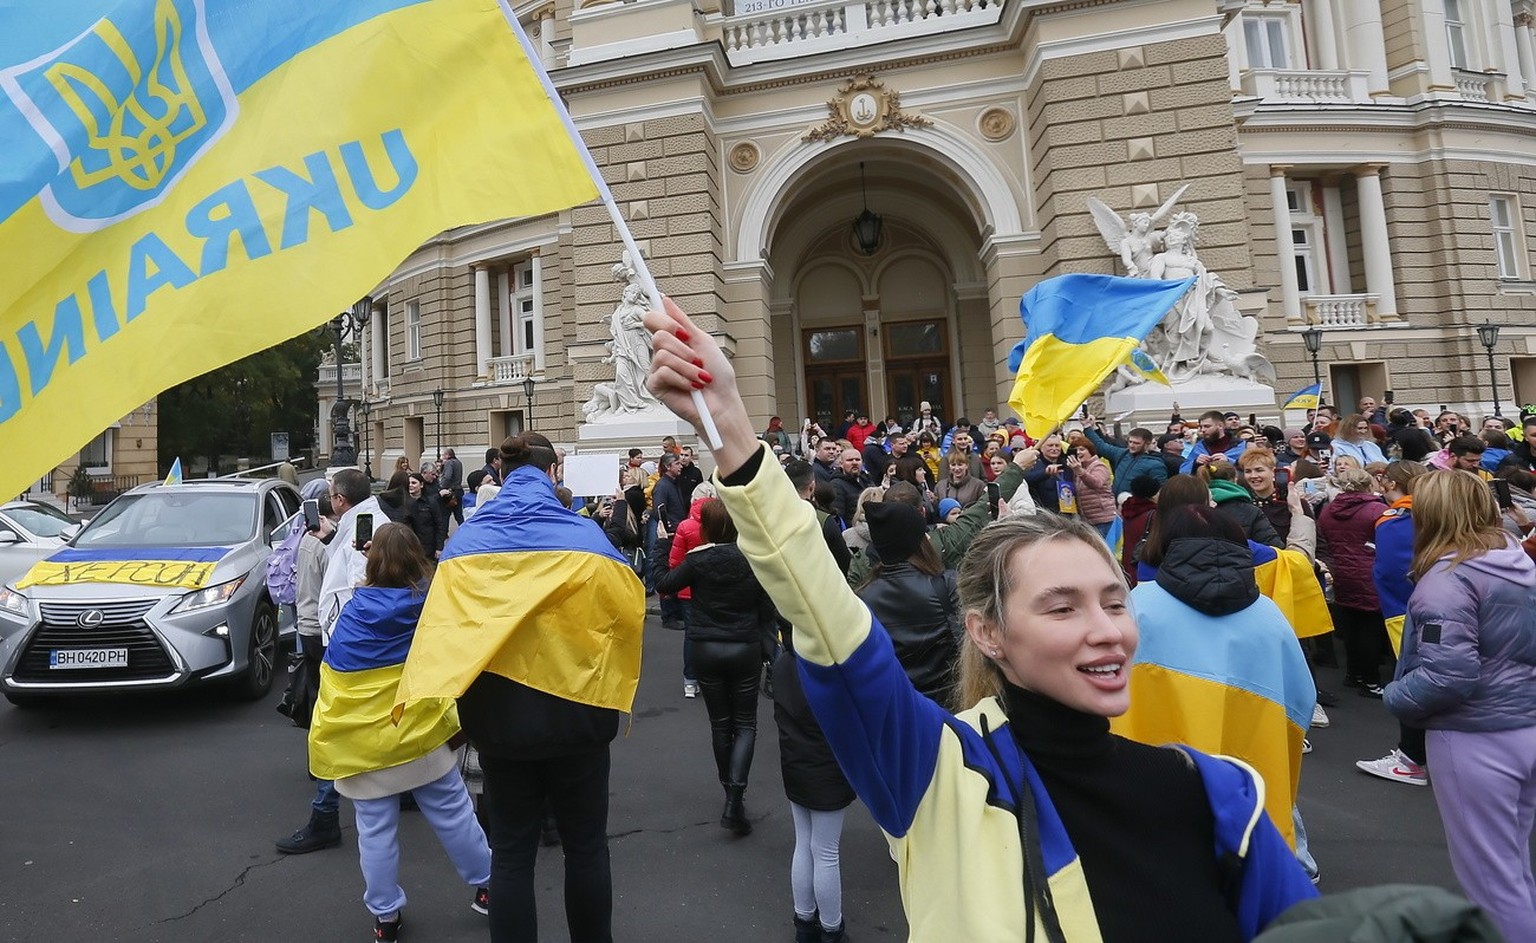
(9, 537)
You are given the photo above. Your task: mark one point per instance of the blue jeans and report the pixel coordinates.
(687, 614)
(446, 805)
(327, 800)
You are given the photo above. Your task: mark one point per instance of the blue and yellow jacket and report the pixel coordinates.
(352, 731)
(941, 786)
(1394, 554)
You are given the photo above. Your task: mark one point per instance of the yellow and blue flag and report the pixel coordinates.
(533, 592)
(1305, 398)
(187, 182)
(173, 477)
(1116, 537)
(1146, 367)
(179, 567)
(353, 730)
(1077, 329)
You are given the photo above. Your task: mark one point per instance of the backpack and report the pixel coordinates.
(283, 565)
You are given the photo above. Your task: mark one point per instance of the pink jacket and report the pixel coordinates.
(685, 539)
(1095, 503)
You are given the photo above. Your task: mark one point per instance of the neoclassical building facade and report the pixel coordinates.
(1366, 169)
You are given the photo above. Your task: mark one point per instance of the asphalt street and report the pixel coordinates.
(152, 819)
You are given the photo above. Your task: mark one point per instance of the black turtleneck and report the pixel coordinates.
(1139, 819)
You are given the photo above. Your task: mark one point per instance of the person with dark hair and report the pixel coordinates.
(1206, 633)
(1136, 458)
(875, 455)
(912, 594)
(1215, 444)
(1498, 450)
(528, 597)
(730, 615)
(492, 467)
(451, 486)
(405, 501)
(1406, 438)
(1463, 453)
(1135, 514)
(803, 478)
(669, 508)
(374, 758)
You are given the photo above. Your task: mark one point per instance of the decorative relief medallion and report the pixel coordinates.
(996, 124)
(744, 157)
(863, 108)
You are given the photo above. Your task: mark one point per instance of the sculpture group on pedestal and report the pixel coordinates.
(1205, 333)
(629, 351)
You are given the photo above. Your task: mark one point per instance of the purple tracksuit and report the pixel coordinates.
(1468, 676)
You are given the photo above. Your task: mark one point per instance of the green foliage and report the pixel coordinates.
(79, 486)
(234, 410)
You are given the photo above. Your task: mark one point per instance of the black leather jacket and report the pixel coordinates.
(921, 613)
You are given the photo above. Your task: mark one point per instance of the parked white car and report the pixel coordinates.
(30, 531)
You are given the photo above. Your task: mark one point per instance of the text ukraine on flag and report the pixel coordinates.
(190, 181)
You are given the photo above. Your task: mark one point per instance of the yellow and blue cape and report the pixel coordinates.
(1287, 578)
(352, 730)
(1077, 329)
(533, 592)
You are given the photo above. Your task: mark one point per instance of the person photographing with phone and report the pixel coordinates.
(346, 564)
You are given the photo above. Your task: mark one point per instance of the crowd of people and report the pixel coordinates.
(986, 638)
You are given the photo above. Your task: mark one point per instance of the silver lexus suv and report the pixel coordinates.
(165, 587)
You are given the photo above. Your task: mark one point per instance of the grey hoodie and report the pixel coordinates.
(1469, 652)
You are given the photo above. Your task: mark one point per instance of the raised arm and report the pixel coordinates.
(884, 734)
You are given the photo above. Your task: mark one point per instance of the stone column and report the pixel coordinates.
(1325, 39)
(1339, 282)
(1437, 49)
(547, 36)
(1373, 241)
(1285, 248)
(1506, 53)
(378, 328)
(1367, 44)
(482, 321)
(1525, 48)
(504, 312)
(538, 312)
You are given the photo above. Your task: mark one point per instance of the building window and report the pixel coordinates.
(382, 314)
(834, 345)
(1456, 33)
(413, 330)
(1267, 41)
(1505, 213)
(524, 308)
(97, 455)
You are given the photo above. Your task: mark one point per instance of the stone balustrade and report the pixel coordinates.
(761, 30)
(1340, 311)
(1342, 86)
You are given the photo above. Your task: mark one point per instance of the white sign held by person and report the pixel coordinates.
(592, 475)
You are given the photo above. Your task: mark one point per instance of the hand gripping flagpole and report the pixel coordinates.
(642, 271)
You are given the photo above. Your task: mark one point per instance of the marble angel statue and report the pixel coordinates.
(1137, 241)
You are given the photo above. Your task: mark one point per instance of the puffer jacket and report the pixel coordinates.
(1233, 500)
(1348, 523)
(811, 775)
(922, 615)
(1469, 650)
(1095, 502)
(1394, 554)
(1390, 913)
(729, 605)
(686, 538)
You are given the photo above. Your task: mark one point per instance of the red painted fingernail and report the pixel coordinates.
(704, 377)
(682, 335)
(697, 385)
(697, 362)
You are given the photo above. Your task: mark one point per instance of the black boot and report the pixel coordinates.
(734, 817)
(807, 929)
(323, 831)
(837, 935)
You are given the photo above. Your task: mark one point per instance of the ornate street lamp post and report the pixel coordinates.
(1313, 338)
(366, 408)
(437, 402)
(343, 448)
(1488, 333)
(528, 385)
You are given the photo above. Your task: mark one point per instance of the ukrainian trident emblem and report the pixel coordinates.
(126, 107)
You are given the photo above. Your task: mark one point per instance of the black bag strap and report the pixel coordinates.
(1037, 889)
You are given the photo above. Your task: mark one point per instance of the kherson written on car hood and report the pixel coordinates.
(180, 567)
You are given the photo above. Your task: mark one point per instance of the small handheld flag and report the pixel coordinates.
(174, 478)
(1305, 398)
(1078, 328)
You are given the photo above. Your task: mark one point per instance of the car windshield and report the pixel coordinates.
(41, 520)
(173, 517)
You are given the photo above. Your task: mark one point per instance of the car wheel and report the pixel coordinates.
(261, 656)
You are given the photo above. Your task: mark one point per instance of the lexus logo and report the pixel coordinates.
(91, 618)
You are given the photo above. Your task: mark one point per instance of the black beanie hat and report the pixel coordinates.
(896, 529)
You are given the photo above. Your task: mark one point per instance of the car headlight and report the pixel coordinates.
(208, 596)
(13, 602)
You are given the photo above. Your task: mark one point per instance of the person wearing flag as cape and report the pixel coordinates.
(375, 758)
(534, 623)
(1023, 816)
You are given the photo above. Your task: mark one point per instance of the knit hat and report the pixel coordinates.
(1292, 432)
(895, 529)
(945, 506)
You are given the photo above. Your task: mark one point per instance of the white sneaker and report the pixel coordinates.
(1396, 767)
(690, 689)
(1319, 716)
(1306, 746)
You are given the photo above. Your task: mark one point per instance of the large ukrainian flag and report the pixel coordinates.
(1287, 577)
(534, 592)
(186, 182)
(351, 731)
(1078, 328)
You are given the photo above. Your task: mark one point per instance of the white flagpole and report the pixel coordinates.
(642, 271)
